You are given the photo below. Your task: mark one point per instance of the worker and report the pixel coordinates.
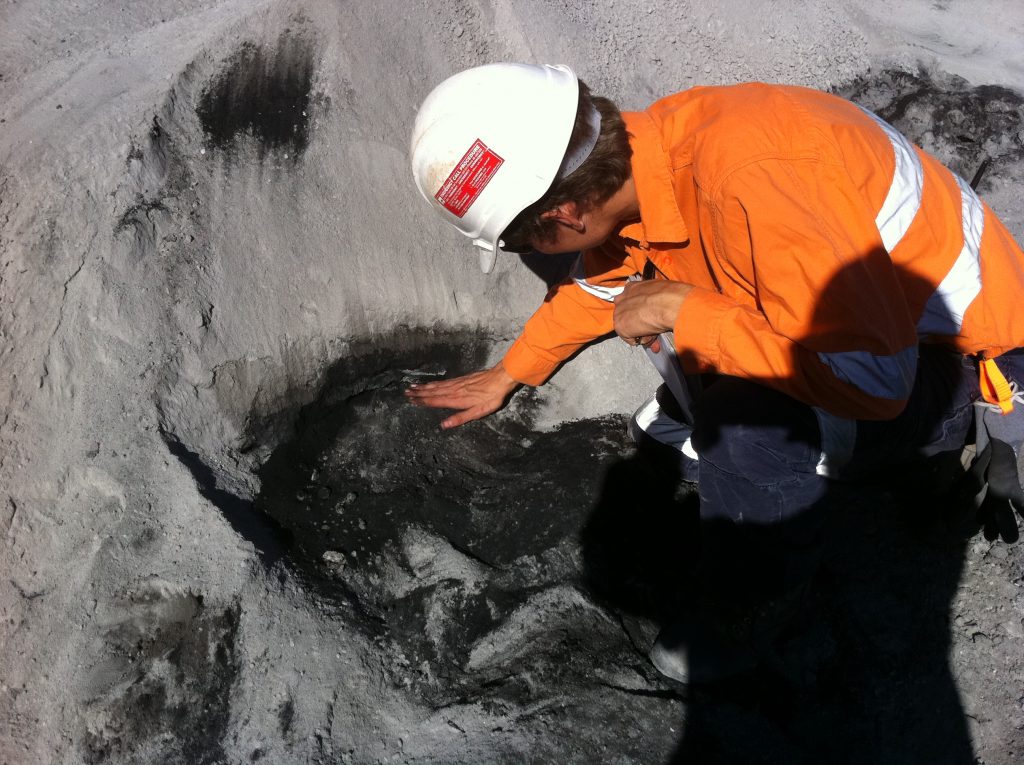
(847, 301)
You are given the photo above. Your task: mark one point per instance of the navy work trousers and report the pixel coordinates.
(762, 499)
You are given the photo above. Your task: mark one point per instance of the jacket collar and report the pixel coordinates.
(660, 219)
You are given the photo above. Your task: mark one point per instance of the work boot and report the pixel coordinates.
(712, 643)
(661, 434)
(690, 652)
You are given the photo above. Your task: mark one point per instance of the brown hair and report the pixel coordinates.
(593, 182)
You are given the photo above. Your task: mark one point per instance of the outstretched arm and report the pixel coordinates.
(570, 317)
(474, 395)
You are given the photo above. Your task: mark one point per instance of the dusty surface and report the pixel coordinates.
(226, 539)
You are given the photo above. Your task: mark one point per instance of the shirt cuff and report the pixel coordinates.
(697, 330)
(524, 366)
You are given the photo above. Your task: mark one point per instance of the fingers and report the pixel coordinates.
(452, 394)
(1004, 491)
(438, 387)
(454, 397)
(650, 341)
(474, 395)
(994, 485)
(647, 341)
(998, 519)
(1006, 521)
(466, 415)
(435, 395)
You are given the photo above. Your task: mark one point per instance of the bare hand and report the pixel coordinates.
(474, 395)
(646, 309)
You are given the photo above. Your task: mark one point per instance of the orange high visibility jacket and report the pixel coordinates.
(822, 245)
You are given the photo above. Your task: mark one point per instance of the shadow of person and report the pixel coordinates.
(859, 670)
(641, 541)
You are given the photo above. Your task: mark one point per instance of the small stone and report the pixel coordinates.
(334, 558)
(323, 492)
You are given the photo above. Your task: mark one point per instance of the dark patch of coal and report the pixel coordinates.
(962, 125)
(264, 94)
(493, 491)
(163, 691)
(463, 549)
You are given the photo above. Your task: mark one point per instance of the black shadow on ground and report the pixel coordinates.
(862, 673)
(861, 676)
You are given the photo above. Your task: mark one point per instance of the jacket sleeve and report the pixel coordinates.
(828, 323)
(575, 312)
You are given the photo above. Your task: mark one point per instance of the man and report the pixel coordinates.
(848, 298)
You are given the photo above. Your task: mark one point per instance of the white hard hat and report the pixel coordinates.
(489, 141)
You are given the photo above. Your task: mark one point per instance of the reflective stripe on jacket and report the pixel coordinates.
(822, 245)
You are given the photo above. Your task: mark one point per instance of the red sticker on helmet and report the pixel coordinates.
(468, 179)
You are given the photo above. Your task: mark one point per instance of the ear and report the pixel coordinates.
(568, 214)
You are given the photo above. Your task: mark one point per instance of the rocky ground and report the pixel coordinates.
(226, 537)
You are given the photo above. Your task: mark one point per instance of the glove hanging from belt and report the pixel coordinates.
(992, 482)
